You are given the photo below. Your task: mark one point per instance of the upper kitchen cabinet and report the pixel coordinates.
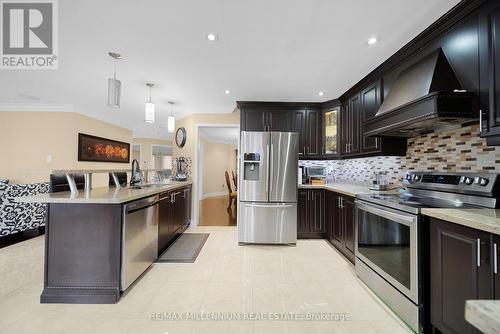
(264, 116)
(307, 122)
(331, 129)
(350, 126)
(489, 65)
(284, 117)
(370, 100)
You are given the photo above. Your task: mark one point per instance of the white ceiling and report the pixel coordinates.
(279, 50)
(226, 135)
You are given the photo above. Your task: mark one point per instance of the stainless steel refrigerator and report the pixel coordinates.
(267, 190)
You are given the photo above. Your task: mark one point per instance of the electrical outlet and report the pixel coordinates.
(49, 158)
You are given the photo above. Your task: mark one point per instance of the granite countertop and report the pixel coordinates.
(487, 220)
(348, 188)
(103, 195)
(484, 315)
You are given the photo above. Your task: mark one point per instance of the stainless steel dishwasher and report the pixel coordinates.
(139, 238)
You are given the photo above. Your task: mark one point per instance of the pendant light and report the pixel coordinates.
(150, 107)
(171, 119)
(114, 85)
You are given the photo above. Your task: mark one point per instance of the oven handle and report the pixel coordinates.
(398, 217)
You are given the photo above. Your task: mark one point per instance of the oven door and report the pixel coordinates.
(387, 241)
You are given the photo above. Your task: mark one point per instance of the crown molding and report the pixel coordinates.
(37, 107)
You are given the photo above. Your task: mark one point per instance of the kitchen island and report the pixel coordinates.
(98, 241)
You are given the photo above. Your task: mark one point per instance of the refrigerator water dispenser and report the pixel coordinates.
(251, 166)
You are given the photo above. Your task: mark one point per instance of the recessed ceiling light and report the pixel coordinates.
(321, 93)
(372, 40)
(227, 91)
(212, 37)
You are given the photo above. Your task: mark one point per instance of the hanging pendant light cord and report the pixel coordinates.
(114, 66)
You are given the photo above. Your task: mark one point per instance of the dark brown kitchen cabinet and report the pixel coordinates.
(278, 120)
(347, 210)
(489, 67)
(307, 122)
(303, 211)
(371, 99)
(174, 216)
(299, 125)
(460, 269)
(350, 126)
(340, 223)
(311, 213)
(331, 130)
(265, 120)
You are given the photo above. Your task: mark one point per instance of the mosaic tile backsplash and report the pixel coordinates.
(445, 151)
(453, 151)
(362, 169)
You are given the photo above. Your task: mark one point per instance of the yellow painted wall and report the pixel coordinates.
(27, 138)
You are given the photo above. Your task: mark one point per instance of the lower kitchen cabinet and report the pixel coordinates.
(340, 223)
(311, 213)
(174, 215)
(460, 269)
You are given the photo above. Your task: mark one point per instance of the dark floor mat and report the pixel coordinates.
(185, 249)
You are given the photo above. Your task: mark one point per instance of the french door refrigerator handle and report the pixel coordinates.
(276, 206)
(271, 166)
(267, 176)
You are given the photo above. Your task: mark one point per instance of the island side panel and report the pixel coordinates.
(82, 253)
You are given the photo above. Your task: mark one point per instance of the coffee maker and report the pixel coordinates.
(181, 173)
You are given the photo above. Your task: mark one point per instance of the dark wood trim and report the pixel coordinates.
(311, 235)
(277, 105)
(440, 27)
(331, 104)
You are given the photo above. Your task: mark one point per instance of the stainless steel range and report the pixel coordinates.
(390, 234)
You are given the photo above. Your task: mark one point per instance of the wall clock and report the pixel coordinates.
(180, 137)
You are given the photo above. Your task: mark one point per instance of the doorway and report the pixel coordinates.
(217, 175)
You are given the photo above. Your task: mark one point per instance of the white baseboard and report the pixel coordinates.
(216, 194)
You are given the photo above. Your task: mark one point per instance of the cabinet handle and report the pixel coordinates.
(480, 120)
(341, 202)
(346, 146)
(478, 252)
(495, 260)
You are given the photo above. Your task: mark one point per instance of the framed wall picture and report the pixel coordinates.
(97, 149)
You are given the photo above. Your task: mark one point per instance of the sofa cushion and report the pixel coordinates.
(16, 217)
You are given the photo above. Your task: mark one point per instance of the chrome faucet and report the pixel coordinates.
(136, 176)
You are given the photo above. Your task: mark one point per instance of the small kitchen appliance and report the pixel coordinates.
(181, 174)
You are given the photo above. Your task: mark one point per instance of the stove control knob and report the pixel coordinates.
(416, 177)
(408, 176)
(468, 180)
(483, 181)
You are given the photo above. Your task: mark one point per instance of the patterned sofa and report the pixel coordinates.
(18, 217)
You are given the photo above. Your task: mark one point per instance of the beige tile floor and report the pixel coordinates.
(311, 277)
